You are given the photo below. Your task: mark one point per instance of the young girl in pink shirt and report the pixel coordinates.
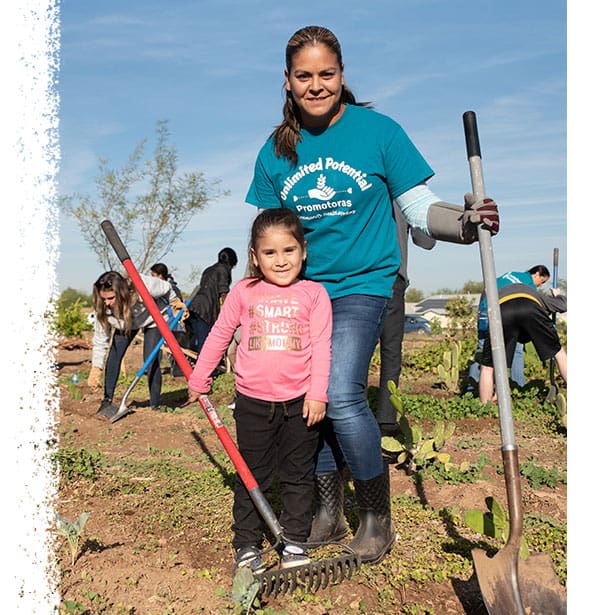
(281, 374)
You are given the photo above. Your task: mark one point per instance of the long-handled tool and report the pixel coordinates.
(509, 585)
(317, 574)
(553, 390)
(124, 410)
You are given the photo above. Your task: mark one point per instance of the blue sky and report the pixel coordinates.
(214, 70)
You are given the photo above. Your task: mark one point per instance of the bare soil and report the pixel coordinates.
(134, 559)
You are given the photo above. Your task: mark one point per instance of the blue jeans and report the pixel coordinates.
(350, 433)
(119, 346)
(517, 370)
(200, 330)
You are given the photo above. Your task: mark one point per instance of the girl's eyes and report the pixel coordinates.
(289, 250)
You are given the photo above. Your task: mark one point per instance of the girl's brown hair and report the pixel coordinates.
(287, 134)
(125, 297)
(266, 219)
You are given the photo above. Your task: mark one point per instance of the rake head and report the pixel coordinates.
(310, 577)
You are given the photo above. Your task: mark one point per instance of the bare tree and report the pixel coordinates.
(148, 203)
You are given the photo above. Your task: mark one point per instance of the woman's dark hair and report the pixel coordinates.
(161, 270)
(124, 298)
(287, 134)
(227, 256)
(266, 219)
(540, 270)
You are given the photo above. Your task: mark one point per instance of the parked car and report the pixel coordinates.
(416, 324)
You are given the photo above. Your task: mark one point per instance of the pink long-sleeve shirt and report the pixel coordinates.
(285, 348)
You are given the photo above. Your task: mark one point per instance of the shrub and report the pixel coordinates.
(70, 321)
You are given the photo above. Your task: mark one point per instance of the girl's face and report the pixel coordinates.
(279, 256)
(315, 81)
(109, 297)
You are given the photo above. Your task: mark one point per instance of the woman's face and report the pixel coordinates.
(315, 81)
(108, 297)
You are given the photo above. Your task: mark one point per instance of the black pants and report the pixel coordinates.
(275, 442)
(120, 344)
(390, 346)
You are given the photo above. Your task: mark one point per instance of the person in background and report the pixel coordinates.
(160, 270)
(206, 304)
(525, 315)
(392, 335)
(517, 369)
(182, 334)
(120, 314)
(340, 165)
(281, 375)
(537, 276)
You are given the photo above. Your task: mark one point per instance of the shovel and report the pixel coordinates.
(123, 409)
(509, 585)
(553, 390)
(317, 574)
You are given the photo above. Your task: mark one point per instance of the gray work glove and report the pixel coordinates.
(458, 224)
(484, 212)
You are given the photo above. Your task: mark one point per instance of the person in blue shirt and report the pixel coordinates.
(341, 166)
(525, 315)
(537, 276)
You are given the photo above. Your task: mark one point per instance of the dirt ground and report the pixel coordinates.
(132, 561)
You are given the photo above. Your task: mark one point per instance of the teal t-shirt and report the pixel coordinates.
(342, 189)
(511, 277)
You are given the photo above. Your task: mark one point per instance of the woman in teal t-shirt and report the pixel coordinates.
(339, 165)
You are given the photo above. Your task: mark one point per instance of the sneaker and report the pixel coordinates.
(294, 555)
(249, 557)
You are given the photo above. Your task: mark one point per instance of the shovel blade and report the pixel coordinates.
(123, 411)
(540, 587)
(511, 586)
(108, 410)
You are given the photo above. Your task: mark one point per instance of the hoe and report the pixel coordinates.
(311, 577)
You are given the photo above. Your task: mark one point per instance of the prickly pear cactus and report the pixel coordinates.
(448, 370)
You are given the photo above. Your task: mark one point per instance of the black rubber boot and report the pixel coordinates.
(376, 534)
(328, 523)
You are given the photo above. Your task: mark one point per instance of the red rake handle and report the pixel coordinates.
(224, 436)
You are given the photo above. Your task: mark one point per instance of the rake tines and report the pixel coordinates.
(310, 577)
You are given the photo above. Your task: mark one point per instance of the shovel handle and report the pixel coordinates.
(491, 288)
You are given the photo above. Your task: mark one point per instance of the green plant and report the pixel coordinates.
(245, 589)
(449, 370)
(455, 474)
(70, 607)
(411, 446)
(80, 462)
(494, 523)
(72, 531)
(537, 476)
(70, 321)
(435, 325)
(463, 318)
